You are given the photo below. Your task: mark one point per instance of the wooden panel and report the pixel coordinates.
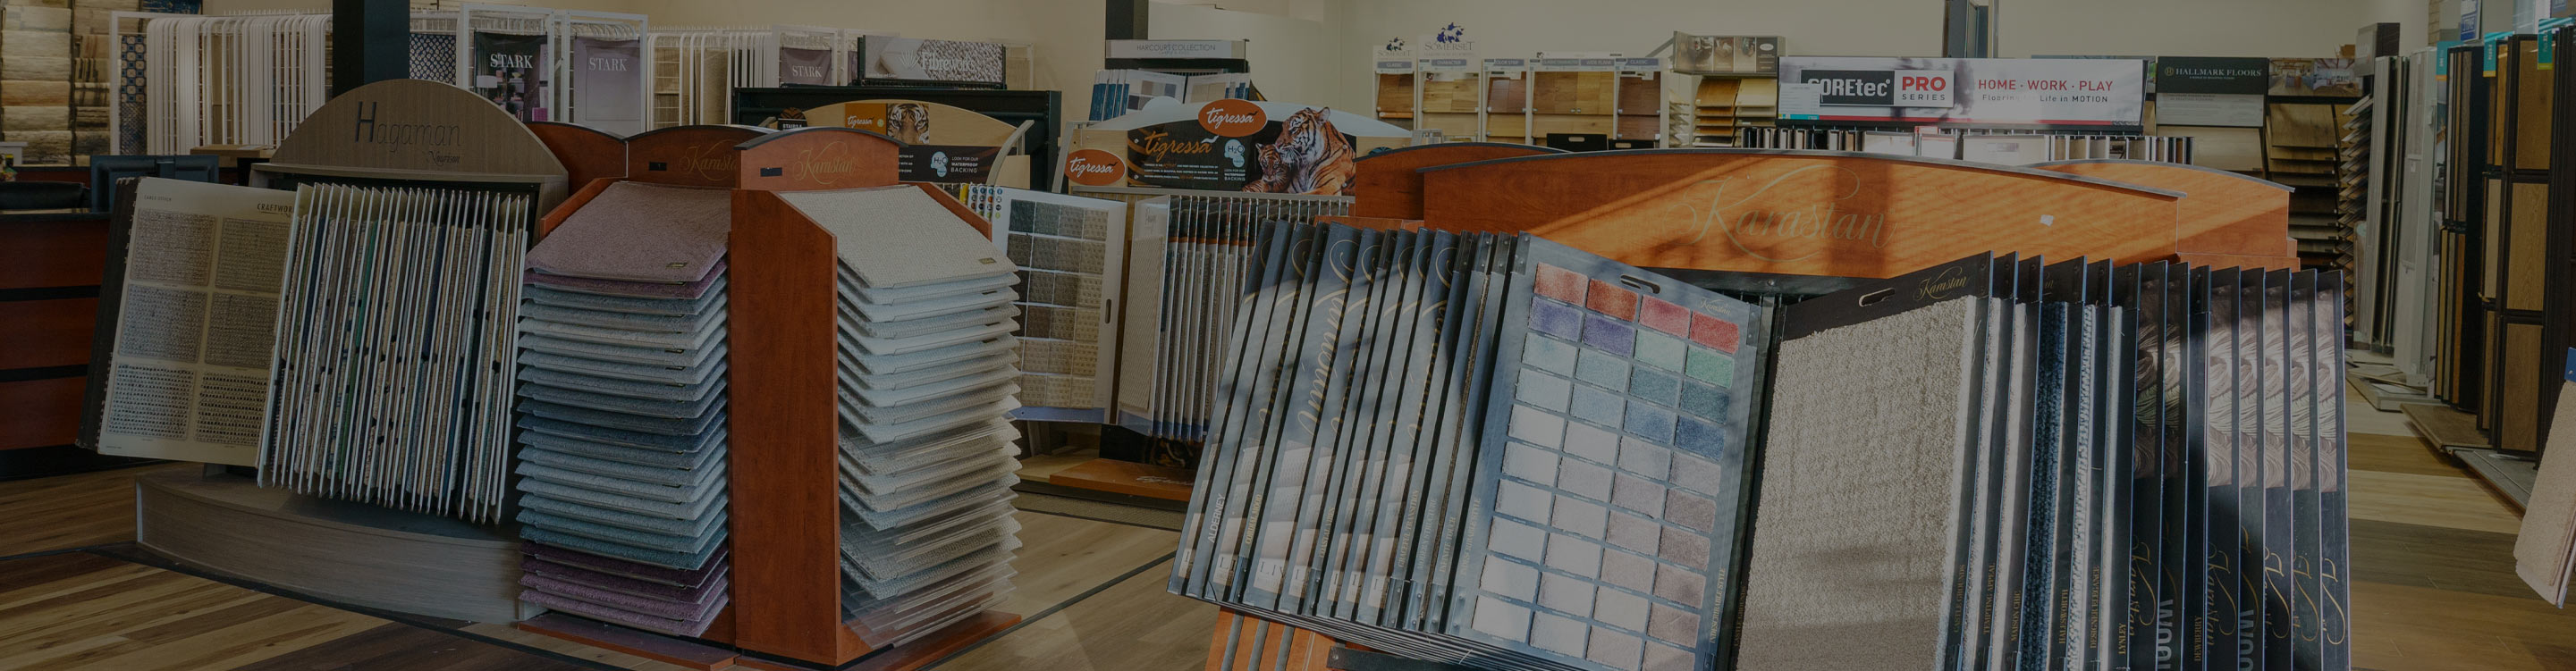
(1387, 184)
(786, 530)
(1641, 95)
(1808, 213)
(40, 334)
(1573, 92)
(586, 153)
(2517, 425)
(52, 253)
(1394, 94)
(1640, 127)
(41, 412)
(1543, 124)
(689, 155)
(2525, 275)
(630, 641)
(820, 157)
(2531, 109)
(1450, 124)
(2491, 279)
(417, 125)
(2222, 212)
(1451, 93)
(1506, 95)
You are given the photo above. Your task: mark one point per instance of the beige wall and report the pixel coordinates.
(1064, 35)
(1292, 59)
(2269, 28)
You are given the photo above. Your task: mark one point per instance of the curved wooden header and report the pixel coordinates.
(689, 155)
(412, 125)
(2224, 213)
(586, 153)
(819, 157)
(1799, 212)
(1388, 183)
(948, 124)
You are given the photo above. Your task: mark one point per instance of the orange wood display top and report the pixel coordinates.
(1127, 477)
(2222, 212)
(819, 157)
(689, 155)
(1388, 184)
(586, 153)
(1799, 212)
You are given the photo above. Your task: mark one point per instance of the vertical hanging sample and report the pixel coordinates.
(1969, 459)
(1072, 257)
(1186, 261)
(398, 315)
(622, 432)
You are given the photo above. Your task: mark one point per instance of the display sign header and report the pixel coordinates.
(2199, 74)
(1970, 91)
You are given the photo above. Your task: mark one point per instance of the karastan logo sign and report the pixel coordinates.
(395, 138)
(1735, 211)
(712, 161)
(1880, 88)
(1942, 285)
(824, 165)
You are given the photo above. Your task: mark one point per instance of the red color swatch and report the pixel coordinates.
(1666, 317)
(1559, 283)
(1714, 332)
(1611, 300)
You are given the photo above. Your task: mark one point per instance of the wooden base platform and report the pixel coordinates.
(347, 552)
(2445, 428)
(1127, 477)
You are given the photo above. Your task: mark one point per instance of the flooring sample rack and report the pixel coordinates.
(2518, 237)
(2459, 376)
(786, 509)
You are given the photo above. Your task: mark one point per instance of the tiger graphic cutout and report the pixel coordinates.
(1310, 157)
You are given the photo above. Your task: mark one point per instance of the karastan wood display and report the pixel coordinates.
(1389, 183)
(1798, 212)
(2222, 212)
(587, 153)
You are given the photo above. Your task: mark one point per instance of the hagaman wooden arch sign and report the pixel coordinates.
(1799, 212)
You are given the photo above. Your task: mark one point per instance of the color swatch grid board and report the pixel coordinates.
(1072, 256)
(394, 342)
(622, 431)
(1507, 454)
(926, 385)
(1578, 521)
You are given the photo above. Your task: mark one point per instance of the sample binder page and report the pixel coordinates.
(188, 376)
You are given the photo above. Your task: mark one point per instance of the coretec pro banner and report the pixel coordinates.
(2007, 92)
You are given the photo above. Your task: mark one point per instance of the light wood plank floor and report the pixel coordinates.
(2432, 559)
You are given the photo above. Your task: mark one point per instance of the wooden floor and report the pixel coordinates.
(2432, 559)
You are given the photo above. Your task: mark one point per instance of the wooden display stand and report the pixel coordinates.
(784, 480)
(398, 130)
(1815, 213)
(2228, 220)
(1388, 184)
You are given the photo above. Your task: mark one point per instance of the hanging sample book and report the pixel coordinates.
(1504, 452)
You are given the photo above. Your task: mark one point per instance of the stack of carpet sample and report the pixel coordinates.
(622, 413)
(926, 374)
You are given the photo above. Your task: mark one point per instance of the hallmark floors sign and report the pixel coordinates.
(1970, 91)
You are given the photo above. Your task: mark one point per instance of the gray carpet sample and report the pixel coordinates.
(640, 232)
(1852, 538)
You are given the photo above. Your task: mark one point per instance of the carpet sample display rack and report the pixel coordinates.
(866, 505)
(385, 455)
(696, 70)
(622, 461)
(1564, 641)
